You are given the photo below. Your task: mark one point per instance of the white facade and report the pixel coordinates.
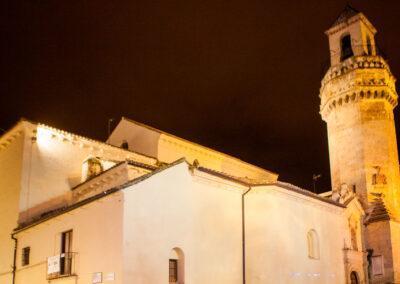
(139, 212)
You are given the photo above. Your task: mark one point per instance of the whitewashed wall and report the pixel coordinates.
(277, 222)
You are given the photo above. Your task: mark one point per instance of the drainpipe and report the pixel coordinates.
(244, 237)
(14, 267)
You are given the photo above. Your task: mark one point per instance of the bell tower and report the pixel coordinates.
(358, 95)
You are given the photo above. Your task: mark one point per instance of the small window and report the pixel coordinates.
(173, 270)
(313, 244)
(345, 47)
(25, 255)
(125, 145)
(369, 46)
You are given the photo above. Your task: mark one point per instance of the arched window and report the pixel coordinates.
(313, 244)
(176, 266)
(345, 47)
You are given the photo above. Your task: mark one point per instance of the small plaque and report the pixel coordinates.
(53, 264)
(110, 276)
(97, 277)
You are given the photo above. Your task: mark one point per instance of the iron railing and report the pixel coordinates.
(60, 265)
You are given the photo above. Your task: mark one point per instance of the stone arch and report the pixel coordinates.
(176, 266)
(354, 278)
(362, 94)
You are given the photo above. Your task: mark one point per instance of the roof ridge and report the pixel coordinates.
(346, 14)
(207, 148)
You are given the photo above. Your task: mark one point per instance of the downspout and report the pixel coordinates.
(244, 237)
(14, 267)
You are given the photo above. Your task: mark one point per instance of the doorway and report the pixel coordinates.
(354, 278)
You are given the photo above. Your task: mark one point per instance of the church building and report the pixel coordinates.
(148, 207)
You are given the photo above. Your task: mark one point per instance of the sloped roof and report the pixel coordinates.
(377, 211)
(59, 211)
(346, 14)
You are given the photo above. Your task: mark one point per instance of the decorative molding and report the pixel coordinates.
(352, 81)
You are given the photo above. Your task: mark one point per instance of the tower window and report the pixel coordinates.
(369, 46)
(345, 47)
(26, 251)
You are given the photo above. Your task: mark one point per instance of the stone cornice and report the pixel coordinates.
(352, 20)
(358, 78)
(354, 63)
(11, 135)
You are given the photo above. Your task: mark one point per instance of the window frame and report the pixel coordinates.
(173, 271)
(26, 255)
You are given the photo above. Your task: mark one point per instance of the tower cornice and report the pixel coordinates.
(343, 25)
(356, 79)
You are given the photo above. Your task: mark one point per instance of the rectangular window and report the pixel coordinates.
(66, 253)
(173, 270)
(377, 265)
(25, 255)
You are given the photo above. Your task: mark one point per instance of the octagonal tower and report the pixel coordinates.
(358, 95)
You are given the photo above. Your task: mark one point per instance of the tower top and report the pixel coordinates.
(345, 15)
(352, 34)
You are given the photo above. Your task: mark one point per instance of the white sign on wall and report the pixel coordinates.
(53, 264)
(97, 277)
(110, 276)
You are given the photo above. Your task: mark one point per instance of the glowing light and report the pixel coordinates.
(43, 136)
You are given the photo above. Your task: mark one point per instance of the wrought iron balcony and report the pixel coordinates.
(61, 265)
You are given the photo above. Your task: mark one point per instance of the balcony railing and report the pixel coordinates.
(61, 265)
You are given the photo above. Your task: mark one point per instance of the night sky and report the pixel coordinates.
(241, 77)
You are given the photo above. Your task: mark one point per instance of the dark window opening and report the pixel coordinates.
(173, 270)
(369, 46)
(66, 251)
(25, 255)
(346, 50)
(125, 145)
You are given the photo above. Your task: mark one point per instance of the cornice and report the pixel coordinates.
(370, 79)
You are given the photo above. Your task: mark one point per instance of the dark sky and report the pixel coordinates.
(242, 77)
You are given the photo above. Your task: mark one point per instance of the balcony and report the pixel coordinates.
(61, 265)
